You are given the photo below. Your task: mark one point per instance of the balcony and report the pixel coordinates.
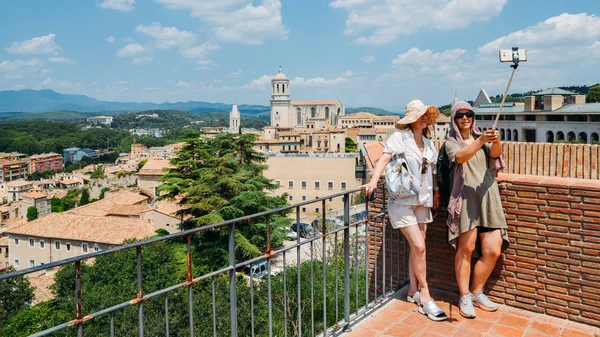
(546, 282)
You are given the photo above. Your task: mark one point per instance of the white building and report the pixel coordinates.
(106, 120)
(234, 120)
(547, 116)
(308, 114)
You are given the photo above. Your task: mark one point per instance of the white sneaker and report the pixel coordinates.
(483, 302)
(466, 306)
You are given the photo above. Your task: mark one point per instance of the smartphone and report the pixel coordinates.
(373, 195)
(506, 55)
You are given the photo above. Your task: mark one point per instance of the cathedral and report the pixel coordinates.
(301, 114)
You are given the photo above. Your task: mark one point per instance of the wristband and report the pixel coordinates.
(437, 195)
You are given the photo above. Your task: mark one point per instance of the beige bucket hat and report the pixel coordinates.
(413, 111)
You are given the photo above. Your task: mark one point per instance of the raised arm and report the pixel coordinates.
(470, 150)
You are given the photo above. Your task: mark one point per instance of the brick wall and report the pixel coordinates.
(553, 263)
(551, 159)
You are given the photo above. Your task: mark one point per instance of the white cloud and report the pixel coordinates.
(167, 37)
(119, 5)
(110, 39)
(200, 51)
(151, 89)
(61, 60)
(19, 87)
(261, 83)
(61, 85)
(21, 68)
(183, 84)
(205, 64)
(141, 60)
(383, 21)
(131, 50)
(428, 58)
(236, 73)
(348, 73)
(37, 45)
(558, 39)
(368, 58)
(237, 20)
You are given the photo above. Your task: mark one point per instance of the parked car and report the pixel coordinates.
(257, 269)
(332, 223)
(291, 235)
(304, 230)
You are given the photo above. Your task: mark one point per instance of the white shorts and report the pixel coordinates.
(405, 215)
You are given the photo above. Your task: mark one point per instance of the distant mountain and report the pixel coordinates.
(375, 111)
(48, 100)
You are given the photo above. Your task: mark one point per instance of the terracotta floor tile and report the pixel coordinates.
(576, 333)
(519, 312)
(402, 305)
(550, 320)
(464, 332)
(477, 325)
(506, 331)
(444, 328)
(401, 330)
(377, 324)
(492, 316)
(362, 332)
(536, 334)
(390, 314)
(416, 320)
(581, 327)
(514, 321)
(454, 315)
(544, 328)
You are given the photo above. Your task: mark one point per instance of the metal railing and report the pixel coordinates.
(349, 252)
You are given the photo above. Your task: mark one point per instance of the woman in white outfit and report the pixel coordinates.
(412, 214)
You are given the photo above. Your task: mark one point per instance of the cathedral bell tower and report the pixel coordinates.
(280, 100)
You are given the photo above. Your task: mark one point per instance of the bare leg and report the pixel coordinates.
(462, 260)
(414, 284)
(491, 245)
(417, 259)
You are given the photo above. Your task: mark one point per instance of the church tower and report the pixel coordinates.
(234, 120)
(280, 100)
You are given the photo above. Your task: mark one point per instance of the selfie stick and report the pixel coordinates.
(515, 56)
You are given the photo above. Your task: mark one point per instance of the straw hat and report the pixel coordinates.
(413, 111)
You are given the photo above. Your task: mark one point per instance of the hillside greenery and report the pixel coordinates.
(177, 119)
(375, 111)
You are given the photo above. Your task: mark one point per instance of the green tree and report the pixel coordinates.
(594, 94)
(84, 199)
(350, 145)
(221, 178)
(142, 163)
(98, 172)
(15, 294)
(32, 213)
(102, 191)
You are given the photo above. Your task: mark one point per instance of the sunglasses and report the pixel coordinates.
(424, 166)
(460, 115)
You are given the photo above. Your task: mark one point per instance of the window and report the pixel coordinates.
(31, 263)
(278, 183)
(42, 244)
(31, 242)
(16, 242)
(303, 209)
(343, 185)
(57, 245)
(304, 184)
(68, 246)
(303, 198)
(330, 185)
(290, 184)
(317, 185)
(84, 247)
(96, 248)
(16, 262)
(290, 198)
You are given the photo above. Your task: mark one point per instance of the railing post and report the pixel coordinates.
(189, 279)
(298, 272)
(140, 291)
(269, 294)
(347, 262)
(324, 261)
(232, 281)
(78, 301)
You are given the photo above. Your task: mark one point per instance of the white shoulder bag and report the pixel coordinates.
(399, 181)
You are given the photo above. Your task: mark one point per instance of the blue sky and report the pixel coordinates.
(380, 53)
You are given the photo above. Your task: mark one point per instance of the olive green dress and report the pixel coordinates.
(481, 205)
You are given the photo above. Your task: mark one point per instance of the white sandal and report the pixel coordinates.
(430, 309)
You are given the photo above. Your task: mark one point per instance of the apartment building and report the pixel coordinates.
(16, 188)
(308, 176)
(45, 162)
(106, 120)
(149, 175)
(37, 200)
(11, 170)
